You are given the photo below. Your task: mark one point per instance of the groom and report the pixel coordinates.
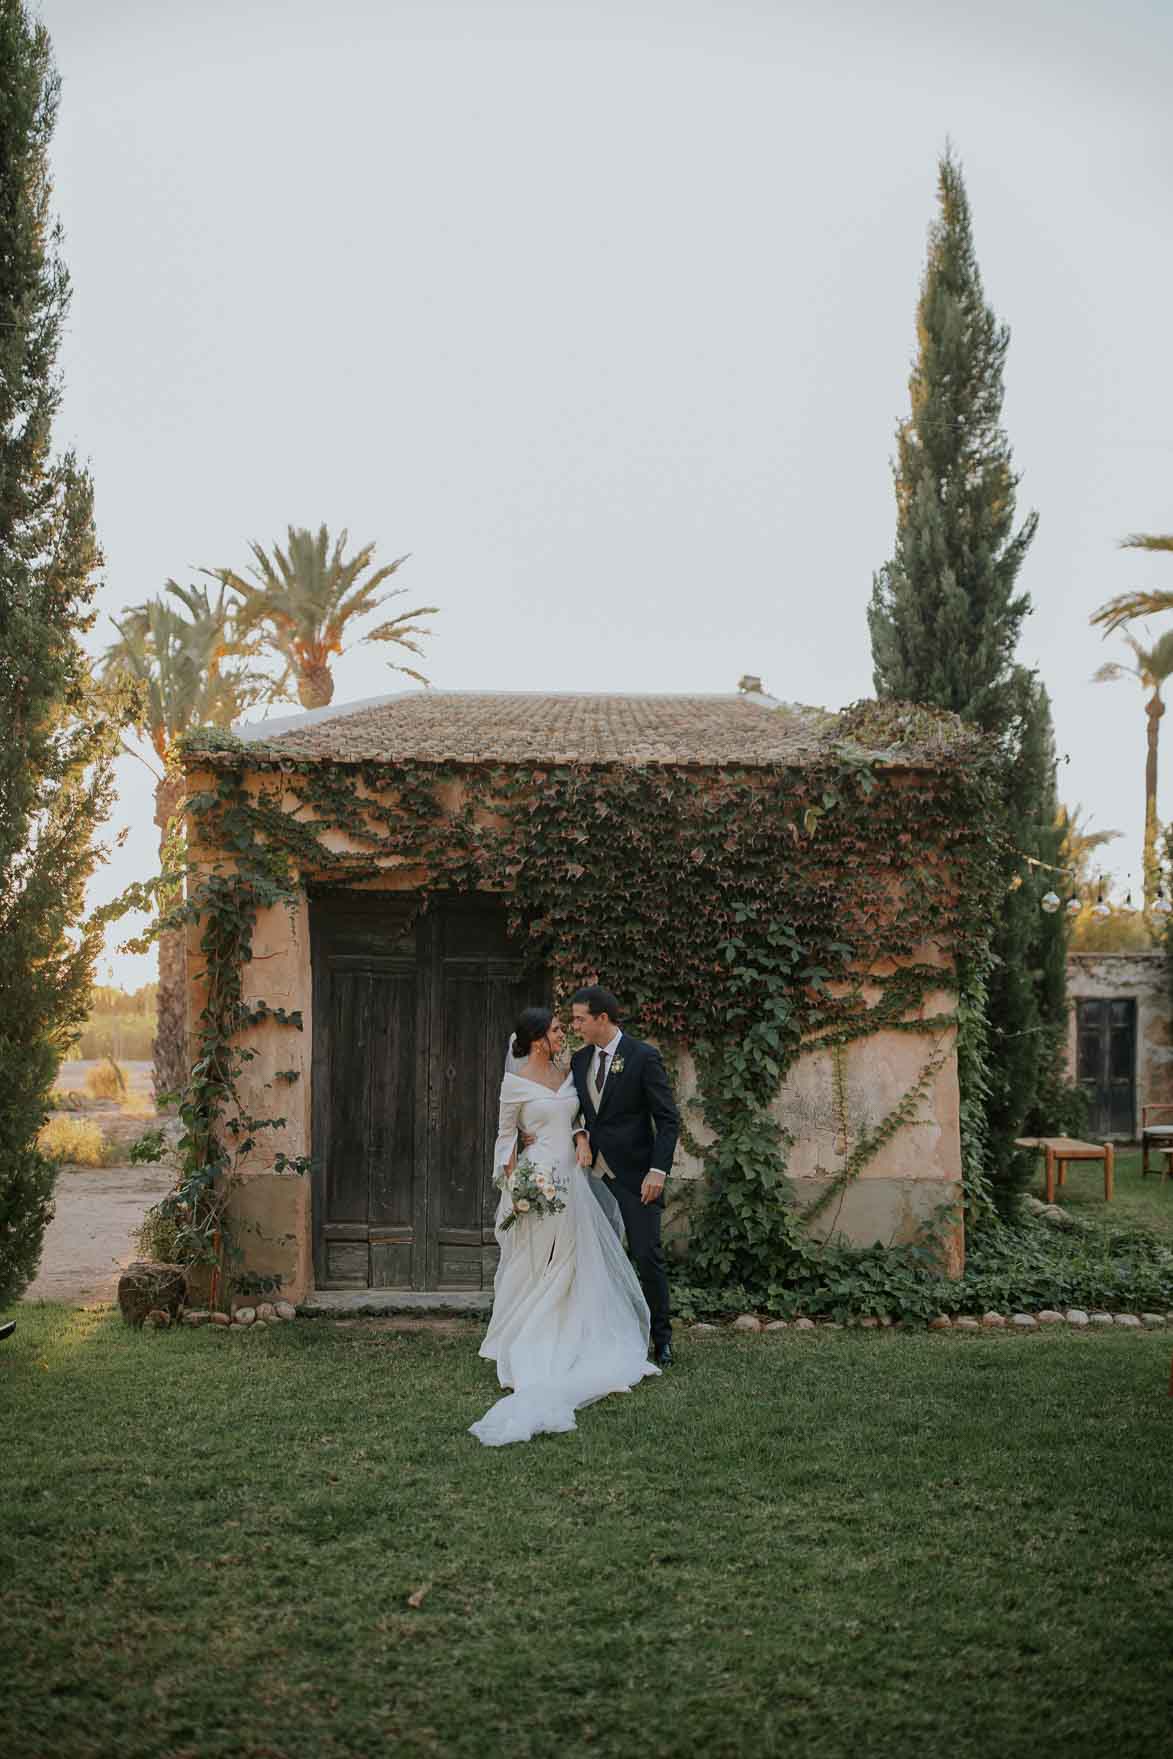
(632, 1126)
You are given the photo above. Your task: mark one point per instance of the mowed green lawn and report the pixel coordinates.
(1147, 1201)
(847, 1543)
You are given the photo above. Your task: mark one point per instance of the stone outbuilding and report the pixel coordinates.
(1120, 1041)
(391, 1085)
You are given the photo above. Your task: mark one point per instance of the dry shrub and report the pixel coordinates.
(76, 1141)
(138, 1105)
(106, 1081)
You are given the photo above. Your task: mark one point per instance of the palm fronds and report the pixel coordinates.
(301, 600)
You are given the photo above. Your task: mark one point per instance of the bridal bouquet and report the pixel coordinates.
(532, 1191)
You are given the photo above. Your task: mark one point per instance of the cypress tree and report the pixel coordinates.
(945, 617)
(56, 749)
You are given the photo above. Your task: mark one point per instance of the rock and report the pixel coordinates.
(701, 1326)
(285, 1310)
(237, 1327)
(1152, 1319)
(1049, 1317)
(886, 1319)
(993, 1319)
(1099, 1319)
(1034, 1205)
(1075, 1316)
(747, 1322)
(869, 1322)
(804, 1325)
(219, 1319)
(195, 1316)
(244, 1316)
(1128, 1319)
(777, 1325)
(966, 1324)
(147, 1284)
(941, 1322)
(1024, 1321)
(266, 1310)
(158, 1317)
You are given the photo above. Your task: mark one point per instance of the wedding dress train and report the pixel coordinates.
(570, 1323)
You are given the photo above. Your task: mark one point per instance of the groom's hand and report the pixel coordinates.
(651, 1188)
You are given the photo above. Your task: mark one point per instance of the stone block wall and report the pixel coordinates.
(1142, 977)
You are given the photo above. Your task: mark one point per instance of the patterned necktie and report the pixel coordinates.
(602, 1074)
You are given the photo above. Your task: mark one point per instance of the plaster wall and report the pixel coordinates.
(911, 1186)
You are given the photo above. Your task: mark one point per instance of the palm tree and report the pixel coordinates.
(1152, 665)
(1127, 605)
(173, 666)
(301, 602)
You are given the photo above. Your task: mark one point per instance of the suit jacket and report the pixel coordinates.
(637, 1124)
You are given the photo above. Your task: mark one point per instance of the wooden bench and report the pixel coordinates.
(1060, 1151)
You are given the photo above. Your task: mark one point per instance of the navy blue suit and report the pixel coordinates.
(635, 1129)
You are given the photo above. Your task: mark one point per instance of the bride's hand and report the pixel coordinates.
(582, 1149)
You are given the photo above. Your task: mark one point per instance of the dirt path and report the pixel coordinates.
(89, 1239)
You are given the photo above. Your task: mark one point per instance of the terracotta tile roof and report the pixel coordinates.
(517, 726)
(529, 727)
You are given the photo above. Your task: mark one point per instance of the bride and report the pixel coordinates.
(570, 1323)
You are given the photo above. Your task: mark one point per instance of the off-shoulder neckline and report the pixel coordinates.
(513, 1075)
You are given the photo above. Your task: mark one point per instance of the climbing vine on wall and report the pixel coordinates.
(751, 914)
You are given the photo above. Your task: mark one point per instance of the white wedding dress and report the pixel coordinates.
(570, 1323)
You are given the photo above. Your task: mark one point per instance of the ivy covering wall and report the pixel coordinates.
(750, 914)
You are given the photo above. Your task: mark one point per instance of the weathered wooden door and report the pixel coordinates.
(412, 1012)
(1106, 1034)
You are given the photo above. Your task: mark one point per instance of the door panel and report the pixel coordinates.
(1106, 1064)
(412, 1013)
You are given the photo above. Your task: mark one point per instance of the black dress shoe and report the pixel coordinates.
(7, 1329)
(663, 1356)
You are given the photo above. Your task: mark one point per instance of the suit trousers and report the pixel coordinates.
(643, 1222)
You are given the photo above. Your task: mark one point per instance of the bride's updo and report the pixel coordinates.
(532, 1023)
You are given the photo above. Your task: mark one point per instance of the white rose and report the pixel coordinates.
(521, 1205)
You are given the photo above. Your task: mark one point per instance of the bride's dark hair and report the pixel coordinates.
(532, 1023)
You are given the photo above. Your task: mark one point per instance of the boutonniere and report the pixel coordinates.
(617, 1066)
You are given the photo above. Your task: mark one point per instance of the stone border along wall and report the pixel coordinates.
(1023, 1322)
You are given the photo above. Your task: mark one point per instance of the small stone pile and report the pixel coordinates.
(259, 1318)
(153, 1295)
(1023, 1322)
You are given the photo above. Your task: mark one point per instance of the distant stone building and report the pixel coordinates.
(1120, 1043)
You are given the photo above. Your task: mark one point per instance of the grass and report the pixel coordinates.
(1146, 1201)
(866, 1544)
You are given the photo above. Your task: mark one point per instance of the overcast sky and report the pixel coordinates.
(605, 312)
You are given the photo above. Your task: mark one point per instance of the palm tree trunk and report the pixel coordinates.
(1154, 709)
(170, 1047)
(315, 685)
